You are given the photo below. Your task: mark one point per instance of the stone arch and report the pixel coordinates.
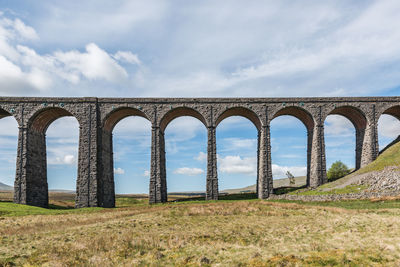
(118, 114)
(107, 150)
(357, 117)
(36, 158)
(393, 111)
(4, 113)
(308, 121)
(42, 119)
(303, 115)
(243, 112)
(353, 114)
(10, 112)
(180, 112)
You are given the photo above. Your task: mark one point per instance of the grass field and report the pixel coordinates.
(224, 233)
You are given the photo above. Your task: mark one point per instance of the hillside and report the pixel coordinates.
(381, 175)
(5, 187)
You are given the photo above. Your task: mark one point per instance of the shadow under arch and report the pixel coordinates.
(242, 112)
(353, 114)
(4, 113)
(359, 121)
(42, 119)
(393, 111)
(303, 115)
(119, 114)
(307, 119)
(180, 112)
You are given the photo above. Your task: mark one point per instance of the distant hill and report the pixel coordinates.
(6, 187)
(62, 191)
(299, 181)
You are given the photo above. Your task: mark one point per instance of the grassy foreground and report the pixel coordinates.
(193, 233)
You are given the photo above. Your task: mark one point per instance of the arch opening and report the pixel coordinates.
(342, 141)
(389, 128)
(62, 146)
(131, 146)
(186, 158)
(289, 149)
(237, 144)
(394, 111)
(180, 112)
(240, 112)
(8, 156)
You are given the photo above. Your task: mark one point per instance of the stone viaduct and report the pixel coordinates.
(98, 116)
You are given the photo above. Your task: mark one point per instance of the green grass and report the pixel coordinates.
(208, 233)
(350, 204)
(8, 209)
(130, 201)
(319, 191)
(391, 157)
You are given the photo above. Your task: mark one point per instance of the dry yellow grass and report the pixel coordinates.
(238, 233)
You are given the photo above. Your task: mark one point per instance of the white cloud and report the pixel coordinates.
(236, 164)
(338, 125)
(63, 160)
(24, 30)
(201, 157)
(94, 64)
(119, 171)
(280, 171)
(188, 171)
(248, 166)
(127, 56)
(184, 128)
(24, 71)
(388, 126)
(240, 143)
(146, 173)
(180, 130)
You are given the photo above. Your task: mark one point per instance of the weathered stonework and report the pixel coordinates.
(98, 116)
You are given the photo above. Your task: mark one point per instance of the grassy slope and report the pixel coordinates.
(391, 157)
(230, 233)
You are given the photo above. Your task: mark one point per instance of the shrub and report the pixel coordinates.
(337, 170)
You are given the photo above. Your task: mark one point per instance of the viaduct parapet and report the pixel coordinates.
(98, 116)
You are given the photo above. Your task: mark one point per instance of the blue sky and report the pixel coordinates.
(197, 49)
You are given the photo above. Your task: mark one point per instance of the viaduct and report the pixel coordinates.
(98, 116)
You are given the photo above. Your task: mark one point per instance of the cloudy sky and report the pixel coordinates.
(197, 49)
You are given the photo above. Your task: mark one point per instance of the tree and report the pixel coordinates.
(337, 170)
(292, 181)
